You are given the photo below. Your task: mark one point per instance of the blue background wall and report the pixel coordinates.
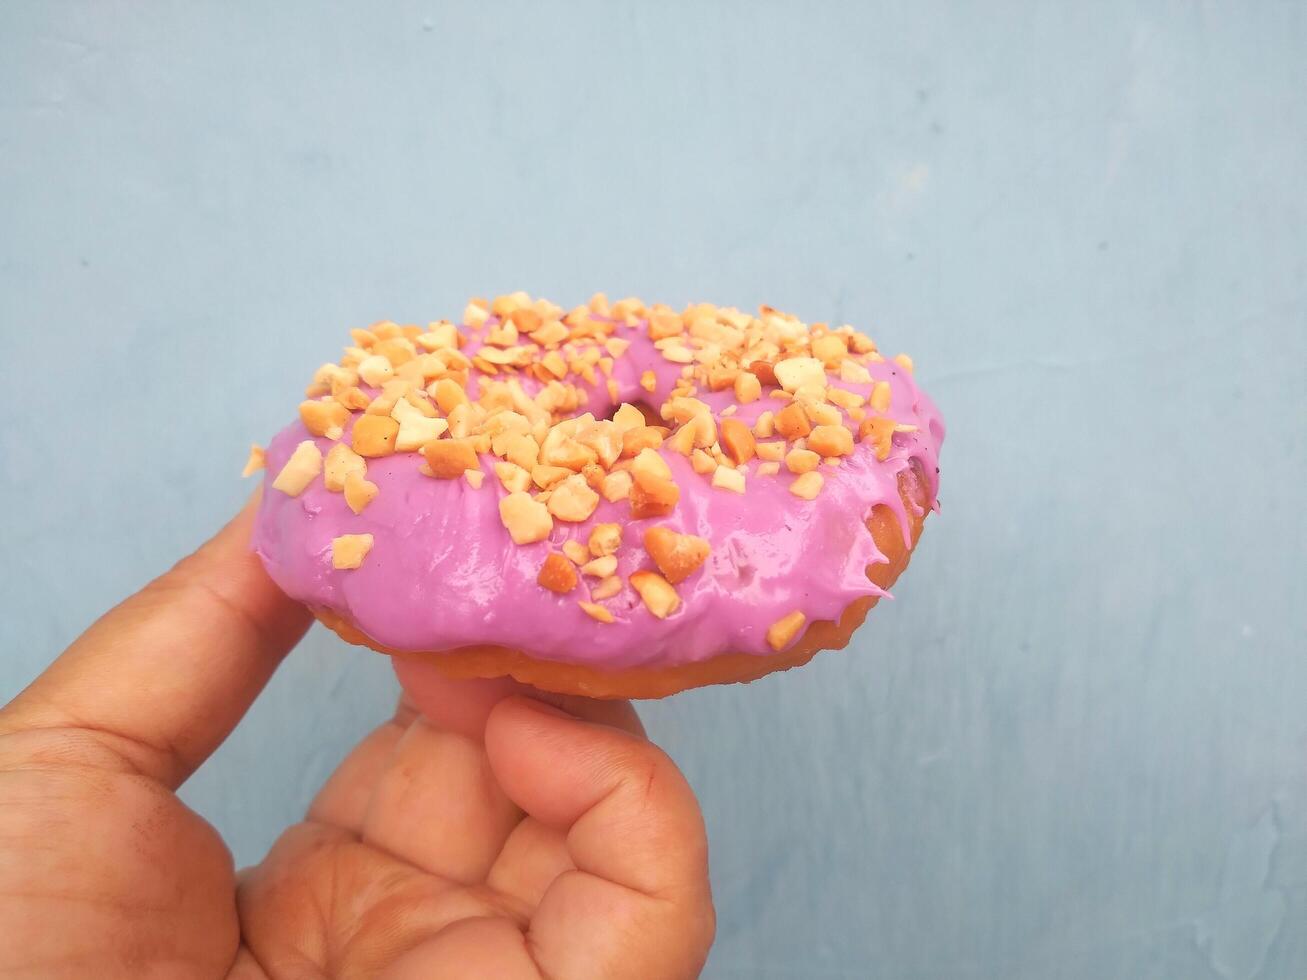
(1076, 746)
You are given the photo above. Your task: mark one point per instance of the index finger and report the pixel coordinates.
(163, 677)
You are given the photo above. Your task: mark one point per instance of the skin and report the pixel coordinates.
(482, 831)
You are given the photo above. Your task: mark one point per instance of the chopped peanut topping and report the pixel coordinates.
(807, 486)
(359, 492)
(768, 469)
(677, 555)
(341, 461)
(324, 417)
(374, 435)
(737, 441)
(449, 394)
(653, 492)
(595, 611)
(650, 467)
(474, 478)
(831, 440)
(644, 437)
(513, 477)
(802, 461)
(375, 370)
(791, 422)
(600, 567)
(879, 433)
(747, 387)
(797, 372)
(782, 632)
(616, 486)
(702, 462)
(903, 361)
(349, 550)
(605, 539)
(649, 381)
(830, 349)
(628, 417)
(656, 592)
(576, 552)
(527, 520)
(606, 589)
(257, 460)
(450, 458)
(846, 400)
(771, 451)
(415, 428)
(765, 427)
(557, 574)
(573, 500)
(653, 499)
(547, 477)
(725, 478)
(301, 469)
(880, 396)
(854, 373)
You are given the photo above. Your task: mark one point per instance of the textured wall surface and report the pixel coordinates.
(1076, 746)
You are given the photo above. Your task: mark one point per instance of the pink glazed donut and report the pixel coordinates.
(617, 501)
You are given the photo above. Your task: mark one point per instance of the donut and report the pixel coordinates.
(617, 500)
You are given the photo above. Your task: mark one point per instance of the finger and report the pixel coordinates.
(471, 948)
(532, 857)
(163, 677)
(344, 799)
(438, 806)
(639, 903)
(462, 706)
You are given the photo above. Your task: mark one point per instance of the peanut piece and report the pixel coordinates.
(375, 370)
(359, 492)
(747, 387)
(807, 486)
(801, 461)
(326, 417)
(304, 465)
(656, 592)
(374, 435)
(576, 551)
(257, 460)
(450, 458)
(573, 500)
(606, 589)
(595, 611)
(831, 440)
(677, 555)
(616, 486)
(527, 520)
(340, 463)
(605, 539)
(513, 477)
(349, 550)
(881, 393)
(557, 574)
(600, 567)
(725, 478)
(737, 441)
(792, 423)
(782, 632)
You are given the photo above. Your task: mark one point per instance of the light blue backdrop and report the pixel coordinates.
(1076, 746)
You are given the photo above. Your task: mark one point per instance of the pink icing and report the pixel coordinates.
(443, 572)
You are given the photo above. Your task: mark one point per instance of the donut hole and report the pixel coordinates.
(651, 416)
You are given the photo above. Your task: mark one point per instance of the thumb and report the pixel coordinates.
(639, 902)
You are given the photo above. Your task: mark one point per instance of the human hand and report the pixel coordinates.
(491, 836)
